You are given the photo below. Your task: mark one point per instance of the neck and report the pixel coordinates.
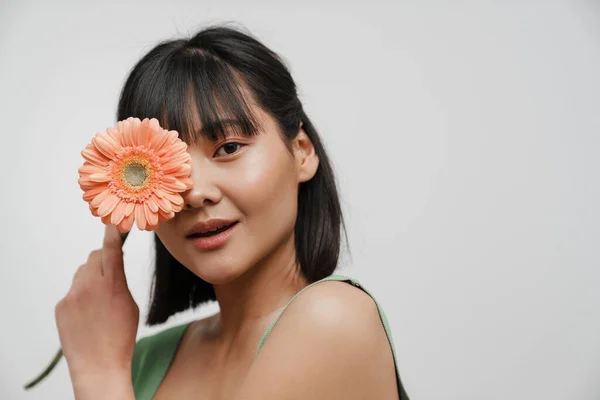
(251, 301)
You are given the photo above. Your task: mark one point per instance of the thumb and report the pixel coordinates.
(112, 254)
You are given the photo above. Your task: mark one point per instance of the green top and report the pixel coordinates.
(153, 354)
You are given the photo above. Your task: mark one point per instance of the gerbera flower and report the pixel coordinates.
(135, 172)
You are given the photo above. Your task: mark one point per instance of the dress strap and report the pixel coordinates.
(382, 316)
(268, 332)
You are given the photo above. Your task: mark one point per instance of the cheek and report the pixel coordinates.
(167, 235)
(163, 231)
(266, 186)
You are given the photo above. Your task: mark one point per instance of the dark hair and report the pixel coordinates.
(223, 69)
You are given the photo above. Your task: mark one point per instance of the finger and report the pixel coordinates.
(112, 254)
(112, 238)
(91, 269)
(78, 274)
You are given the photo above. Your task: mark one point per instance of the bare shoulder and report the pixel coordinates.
(334, 305)
(329, 343)
(337, 316)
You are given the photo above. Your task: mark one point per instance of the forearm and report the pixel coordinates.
(103, 385)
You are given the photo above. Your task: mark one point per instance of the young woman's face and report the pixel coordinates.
(251, 182)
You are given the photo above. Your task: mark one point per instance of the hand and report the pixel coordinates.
(97, 320)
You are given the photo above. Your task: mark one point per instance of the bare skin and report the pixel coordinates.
(202, 369)
(255, 275)
(307, 355)
(330, 342)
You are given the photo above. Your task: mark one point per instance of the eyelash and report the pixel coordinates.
(227, 144)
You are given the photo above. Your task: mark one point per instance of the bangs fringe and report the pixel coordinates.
(195, 94)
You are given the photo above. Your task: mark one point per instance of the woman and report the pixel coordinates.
(260, 234)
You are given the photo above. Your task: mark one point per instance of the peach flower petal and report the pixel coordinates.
(134, 173)
(147, 133)
(118, 213)
(163, 216)
(154, 124)
(184, 170)
(152, 204)
(86, 183)
(89, 169)
(100, 198)
(125, 129)
(126, 223)
(151, 217)
(93, 192)
(175, 186)
(163, 204)
(172, 137)
(108, 205)
(139, 134)
(173, 166)
(129, 209)
(140, 217)
(174, 149)
(95, 157)
(101, 177)
(176, 199)
(115, 136)
(187, 182)
(159, 140)
(105, 145)
(134, 124)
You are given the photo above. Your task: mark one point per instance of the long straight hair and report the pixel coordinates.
(224, 69)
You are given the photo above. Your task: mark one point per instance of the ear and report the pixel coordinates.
(307, 160)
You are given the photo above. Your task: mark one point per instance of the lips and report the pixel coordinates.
(212, 236)
(209, 228)
(211, 232)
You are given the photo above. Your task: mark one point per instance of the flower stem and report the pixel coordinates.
(48, 369)
(59, 354)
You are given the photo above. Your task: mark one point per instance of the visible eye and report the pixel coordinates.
(229, 148)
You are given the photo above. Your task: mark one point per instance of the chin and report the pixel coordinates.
(217, 273)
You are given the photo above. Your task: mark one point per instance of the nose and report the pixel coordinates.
(204, 185)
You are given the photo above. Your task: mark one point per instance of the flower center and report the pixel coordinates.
(136, 173)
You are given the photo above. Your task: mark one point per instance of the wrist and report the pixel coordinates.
(113, 383)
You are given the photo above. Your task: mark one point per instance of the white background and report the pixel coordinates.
(466, 141)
